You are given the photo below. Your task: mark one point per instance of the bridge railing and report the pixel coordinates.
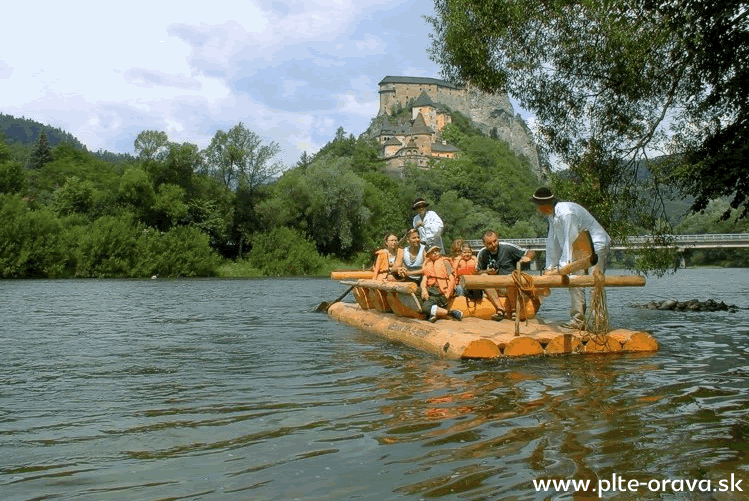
(704, 240)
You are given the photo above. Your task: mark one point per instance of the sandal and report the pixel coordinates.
(499, 316)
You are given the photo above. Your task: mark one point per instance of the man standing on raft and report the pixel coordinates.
(429, 224)
(566, 221)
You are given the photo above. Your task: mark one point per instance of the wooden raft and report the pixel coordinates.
(486, 339)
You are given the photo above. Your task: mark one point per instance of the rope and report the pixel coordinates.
(598, 321)
(525, 291)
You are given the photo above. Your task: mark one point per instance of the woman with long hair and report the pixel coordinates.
(387, 258)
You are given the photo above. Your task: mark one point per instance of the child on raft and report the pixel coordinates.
(465, 264)
(437, 286)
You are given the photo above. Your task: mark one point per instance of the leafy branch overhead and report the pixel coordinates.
(615, 83)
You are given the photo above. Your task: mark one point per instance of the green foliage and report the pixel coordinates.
(169, 206)
(151, 145)
(711, 220)
(26, 131)
(76, 196)
(284, 251)
(29, 241)
(41, 154)
(489, 176)
(183, 251)
(240, 159)
(109, 247)
(136, 189)
(607, 80)
(12, 177)
(326, 201)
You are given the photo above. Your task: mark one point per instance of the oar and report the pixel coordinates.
(325, 305)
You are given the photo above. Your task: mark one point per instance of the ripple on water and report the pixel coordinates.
(208, 389)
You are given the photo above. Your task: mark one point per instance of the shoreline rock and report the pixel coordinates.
(692, 305)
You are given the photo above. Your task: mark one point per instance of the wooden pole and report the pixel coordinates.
(350, 274)
(402, 287)
(496, 281)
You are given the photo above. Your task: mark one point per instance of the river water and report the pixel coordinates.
(233, 390)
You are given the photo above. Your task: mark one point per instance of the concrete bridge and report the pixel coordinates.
(681, 242)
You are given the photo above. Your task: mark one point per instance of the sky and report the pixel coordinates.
(292, 72)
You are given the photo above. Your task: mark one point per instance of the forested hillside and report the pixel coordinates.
(176, 210)
(24, 130)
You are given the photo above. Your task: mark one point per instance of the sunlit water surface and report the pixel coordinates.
(233, 389)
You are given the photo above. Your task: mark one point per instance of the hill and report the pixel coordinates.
(24, 131)
(27, 131)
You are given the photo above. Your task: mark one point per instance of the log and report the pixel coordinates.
(607, 344)
(481, 348)
(350, 274)
(565, 343)
(523, 346)
(382, 285)
(494, 281)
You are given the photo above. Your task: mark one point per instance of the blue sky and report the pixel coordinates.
(293, 72)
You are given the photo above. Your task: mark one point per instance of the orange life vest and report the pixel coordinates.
(382, 264)
(438, 273)
(463, 267)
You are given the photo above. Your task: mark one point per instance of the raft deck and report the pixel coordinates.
(476, 338)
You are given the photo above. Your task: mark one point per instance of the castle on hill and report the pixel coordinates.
(418, 140)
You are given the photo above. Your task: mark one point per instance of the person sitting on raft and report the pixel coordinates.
(499, 258)
(409, 264)
(386, 258)
(456, 249)
(437, 286)
(465, 264)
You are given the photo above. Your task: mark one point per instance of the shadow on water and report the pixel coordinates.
(208, 390)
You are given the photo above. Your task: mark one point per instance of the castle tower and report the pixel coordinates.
(425, 106)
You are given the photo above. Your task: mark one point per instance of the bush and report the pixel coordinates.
(284, 251)
(184, 251)
(30, 241)
(108, 247)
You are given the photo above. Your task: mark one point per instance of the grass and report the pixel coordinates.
(243, 269)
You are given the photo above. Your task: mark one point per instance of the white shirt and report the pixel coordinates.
(431, 231)
(565, 224)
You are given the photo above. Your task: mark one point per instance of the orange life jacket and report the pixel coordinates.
(382, 265)
(438, 273)
(463, 267)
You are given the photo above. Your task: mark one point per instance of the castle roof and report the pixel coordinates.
(419, 80)
(420, 127)
(444, 148)
(392, 142)
(399, 129)
(424, 100)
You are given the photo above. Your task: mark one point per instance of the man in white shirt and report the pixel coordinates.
(429, 224)
(566, 220)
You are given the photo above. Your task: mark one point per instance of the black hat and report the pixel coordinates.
(419, 202)
(543, 196)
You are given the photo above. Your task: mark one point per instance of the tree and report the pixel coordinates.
(241, 160)
(326, 201)
(151, 144)
(42, 153)
(613, 83)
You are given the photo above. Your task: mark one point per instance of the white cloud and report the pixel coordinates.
(292, 72)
